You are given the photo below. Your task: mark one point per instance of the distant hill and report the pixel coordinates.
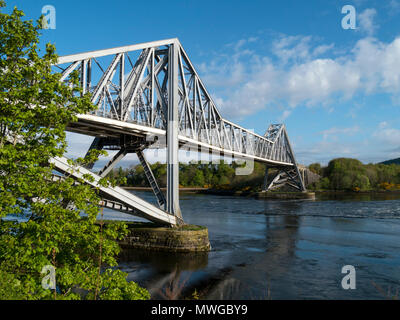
(396, 161)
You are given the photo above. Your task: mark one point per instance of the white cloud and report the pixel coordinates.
(295, 74)
(298, 48)
(78, 144)
(285, 115)
(292, 48)
(324, 151)
(389, 137)
(322, 49)
(366, 22)
(332, 133)
(381, 144)
(394, 7)
(382, 125)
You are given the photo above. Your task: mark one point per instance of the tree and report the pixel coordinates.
(316, 168)
(361, 182)
(343, 173)
(198, 179)
(35, 108)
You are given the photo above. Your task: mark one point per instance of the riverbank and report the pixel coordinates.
(258, 195)
(195, 189)
(310, 194)
(358, 192)
(238, 192)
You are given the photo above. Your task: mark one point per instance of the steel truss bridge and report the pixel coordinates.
(149, 95)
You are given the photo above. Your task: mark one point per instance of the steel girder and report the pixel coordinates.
(116, 197)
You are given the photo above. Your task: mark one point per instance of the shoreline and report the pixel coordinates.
(194, 189)
(358, 192)
(279, 195)
(243, 193)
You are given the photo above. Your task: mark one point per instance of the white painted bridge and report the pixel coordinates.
(149, 95)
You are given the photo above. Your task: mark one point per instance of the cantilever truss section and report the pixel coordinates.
(115, 197)
(285, 176)
(151, 92)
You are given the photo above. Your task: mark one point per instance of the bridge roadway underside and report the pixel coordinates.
(109, 128)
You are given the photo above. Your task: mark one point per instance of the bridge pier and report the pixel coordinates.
(285, 195)
(149, 236)
(172, 136)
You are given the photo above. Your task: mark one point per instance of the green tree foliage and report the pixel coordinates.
(340, 174)
(35, 108)
(194, 174)
(316, 168)
(351, 174)
(344, 174)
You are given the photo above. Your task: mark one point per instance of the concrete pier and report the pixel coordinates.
(262, 195)
(147, 236)
(285, 195)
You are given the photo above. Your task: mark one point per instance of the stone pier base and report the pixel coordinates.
(147, 236)
(285, 195)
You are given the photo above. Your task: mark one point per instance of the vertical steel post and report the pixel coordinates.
(122, 85)
(152, 88)
(84, 76)
(172, 134)
(89, 75)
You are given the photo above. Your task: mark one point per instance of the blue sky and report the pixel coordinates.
(336, 90)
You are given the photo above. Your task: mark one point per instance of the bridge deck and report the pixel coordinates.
(106, 127)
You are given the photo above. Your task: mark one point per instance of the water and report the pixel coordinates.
(273, 249)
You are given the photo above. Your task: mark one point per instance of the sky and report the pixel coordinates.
(337, 90)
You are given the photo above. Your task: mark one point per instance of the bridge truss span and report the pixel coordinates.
(151, 92)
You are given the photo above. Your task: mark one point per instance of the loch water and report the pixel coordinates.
(278, 249)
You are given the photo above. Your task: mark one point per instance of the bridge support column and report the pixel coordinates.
(172, 135)
(151, 179)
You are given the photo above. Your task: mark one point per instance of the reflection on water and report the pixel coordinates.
(277, 249)
(166, 261)
(167, 269)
